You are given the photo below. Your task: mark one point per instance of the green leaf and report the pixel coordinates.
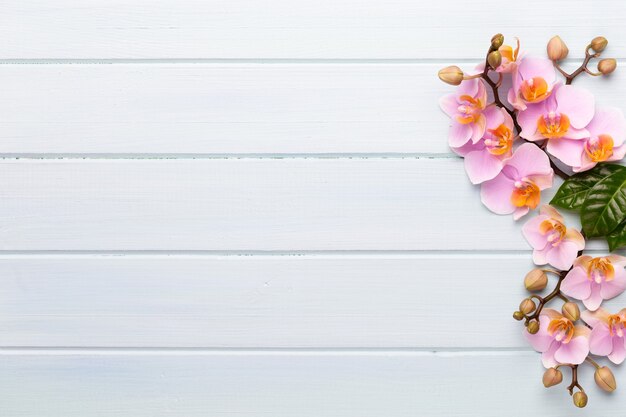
(604, 207)
(617, 238)
(573, 191)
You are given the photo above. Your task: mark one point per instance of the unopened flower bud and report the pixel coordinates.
(527, 306)
(605, 379)
(494, 59)
(552, 377)
(451, 75)
(599, 43)
(518, 315)
(571, 311)
(536, 280)
(557, 50)
(580, 399)
(533, 327)
(496, 41)
(607, 66)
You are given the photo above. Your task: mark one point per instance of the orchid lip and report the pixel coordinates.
(553, 125)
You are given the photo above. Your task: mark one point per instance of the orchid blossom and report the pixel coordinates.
(485, 159)
(559, 339)
(465, 108)
(533, 81)
(607, 336)
(552, 242)
(595, 279)
(517, 188)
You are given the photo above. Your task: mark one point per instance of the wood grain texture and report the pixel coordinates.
(370, 280)
(278, 29)
(340, 384)
(247, 204)
(224, 109)
(314, 301)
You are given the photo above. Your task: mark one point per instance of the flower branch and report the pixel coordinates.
(555, 121)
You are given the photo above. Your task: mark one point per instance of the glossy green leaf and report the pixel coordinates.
(604, 207)
(573, 191)
(617, 238)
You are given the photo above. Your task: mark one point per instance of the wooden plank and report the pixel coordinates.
(232, 108)
(313, 301)
(221, 109)
(246, 205)
(309, 29)
(333, 384)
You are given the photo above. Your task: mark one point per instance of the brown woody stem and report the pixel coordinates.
(583, 67)
(556, 292)
(574, 383)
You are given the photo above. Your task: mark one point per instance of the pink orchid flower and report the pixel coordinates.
(510, 58)
(605, 142)
(465, 108)
(559, 340)
(517, 188)
(607, 334)
(485, 159)
(552, 242)
(563, 115)
(533, 81)
(595, 279)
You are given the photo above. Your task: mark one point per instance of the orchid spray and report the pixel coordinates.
(514, 143)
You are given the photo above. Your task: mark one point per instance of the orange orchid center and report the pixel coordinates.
(469, 110)
(526, 193)
(554, 230)
(509, 53)
(501, 140)
(534, 89)
(616, 325)
(600, 269)
(599, 149)
(561, 329)
(553, 125)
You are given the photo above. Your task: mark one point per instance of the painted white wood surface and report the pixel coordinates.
(306, 29)
(278, 383)
(289, 204)
(307, 301)
(301, 243)
(189, 109)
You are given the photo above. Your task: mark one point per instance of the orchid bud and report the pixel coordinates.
(571, 311)
(580, 399)
(527, 306)
(494, 59)
(607, 66)
(518, 315)
(605, 379)
(557, 50)
(552, 377)
(599, 43)
(536, 280)
(533, 327)
(451, 75)
(496, 41)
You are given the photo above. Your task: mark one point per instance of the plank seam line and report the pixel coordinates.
(29, 157)
(243, 61)
(487, 253)
(175, 351)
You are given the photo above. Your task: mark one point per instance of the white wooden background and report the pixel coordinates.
(244, 207)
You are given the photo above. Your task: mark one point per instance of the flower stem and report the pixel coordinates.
(583, 67)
